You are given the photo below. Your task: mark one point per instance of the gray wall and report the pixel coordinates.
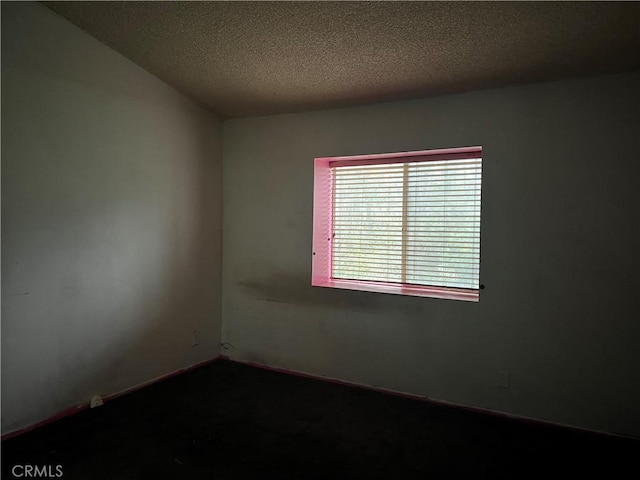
(560, 254)
(111, 216)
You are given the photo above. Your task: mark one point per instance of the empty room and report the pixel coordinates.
(311, 240)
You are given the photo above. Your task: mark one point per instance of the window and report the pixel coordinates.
(405, 223)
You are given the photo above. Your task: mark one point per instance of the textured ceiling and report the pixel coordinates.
(252, 58)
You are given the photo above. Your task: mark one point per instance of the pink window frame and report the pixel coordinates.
(321, 266)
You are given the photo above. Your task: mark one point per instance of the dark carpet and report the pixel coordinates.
(231, 421)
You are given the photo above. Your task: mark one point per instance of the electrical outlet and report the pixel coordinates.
(196, 339)
(504, 379)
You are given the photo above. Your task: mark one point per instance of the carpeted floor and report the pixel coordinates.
(231, 421)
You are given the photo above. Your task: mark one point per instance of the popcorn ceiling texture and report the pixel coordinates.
(256, 58)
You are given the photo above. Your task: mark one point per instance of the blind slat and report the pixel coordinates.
(398, 168)
(444, 258)
(422, 271)
(385, 181)
(432, 257)
(425, 239)
(438, 282)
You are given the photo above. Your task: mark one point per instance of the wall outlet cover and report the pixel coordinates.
(504, 379)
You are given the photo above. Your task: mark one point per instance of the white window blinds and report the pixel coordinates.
(412, 223)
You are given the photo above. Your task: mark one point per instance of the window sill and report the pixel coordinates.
(400, 289)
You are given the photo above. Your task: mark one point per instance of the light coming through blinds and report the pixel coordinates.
(412, 223)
